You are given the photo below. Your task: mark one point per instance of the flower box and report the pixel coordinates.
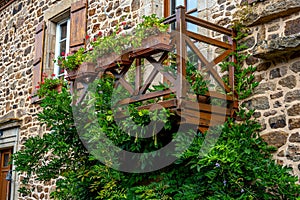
(86, 68)
(112, 60)
(153, 44)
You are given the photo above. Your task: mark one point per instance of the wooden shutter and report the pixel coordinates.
(38, 60)
(78, 25)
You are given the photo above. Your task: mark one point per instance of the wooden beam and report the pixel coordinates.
(208, 25)
(208, 40)
(138, 76)
(209, 68)
(206, 108)
(145, 97)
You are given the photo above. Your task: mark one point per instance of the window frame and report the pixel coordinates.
(58, 40)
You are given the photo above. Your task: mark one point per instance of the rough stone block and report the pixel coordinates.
(295, 137)
(292, 96)
(295, 67)
(264, 87)
(289, 81)
(259, 103)
(277, 122)
(276, 95)
(292, 27)
(276, 138)
(278, 72)
(294, 123)
(294, 110)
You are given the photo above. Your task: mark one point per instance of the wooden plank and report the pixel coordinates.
(78, 24)
(138, 76)
(197, 52)
(169, 20)
(172, 103)
(181, 53)
(126, 85)
(206, 108)
(151, 51)
(213, 72)
(158, 66)
(196, 121)
(203, 129)
(208, 25)
(233, 59)
(205, 115)
(220, 58)
(219, 95)
(149, 81)
(145, 97)
(208, 40)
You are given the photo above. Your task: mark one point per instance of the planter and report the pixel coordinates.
(58, 88)
(112, 60)
(71, 74)
(202, 98)
(153, 44)
(86, 68)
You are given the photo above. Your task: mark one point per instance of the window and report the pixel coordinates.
(54, 36)
(62, 43)
(189, 4)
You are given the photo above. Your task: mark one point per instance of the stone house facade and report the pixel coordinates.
(29, 41)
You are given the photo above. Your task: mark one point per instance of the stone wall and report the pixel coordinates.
(17, 37)
(274, 42)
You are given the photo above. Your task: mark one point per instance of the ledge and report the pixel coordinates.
(270, 10)
(9, 121)
(277, 47)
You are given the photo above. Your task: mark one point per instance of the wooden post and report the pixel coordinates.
(181, 54)
(234, 104)
(233, 59)
(138, 76)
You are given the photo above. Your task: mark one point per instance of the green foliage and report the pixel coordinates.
(48, 85)
(118, 43)
(60, 150)
(238, 164)
(71, 61)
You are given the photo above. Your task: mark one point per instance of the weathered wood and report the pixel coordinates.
(206, 108)
(211, 26)
(208, 40)
(78, 25)
(181, 53)
(138, 76)
(145, 97)
(172, 103)
(38, 58)
(233, 59)
(149, 81)
(208, 65)
(206, 115)
(159, 67)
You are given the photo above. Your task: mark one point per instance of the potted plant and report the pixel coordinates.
(75, 64)
(48, 85)
(116, 49)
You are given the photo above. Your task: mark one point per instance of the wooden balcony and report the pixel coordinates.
(187, 44)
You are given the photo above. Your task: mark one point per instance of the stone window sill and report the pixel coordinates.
(270, 10)
(278, 47)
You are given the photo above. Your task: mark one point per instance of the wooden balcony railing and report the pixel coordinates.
(182, 42)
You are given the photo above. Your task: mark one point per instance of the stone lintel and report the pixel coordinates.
(9, 121)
